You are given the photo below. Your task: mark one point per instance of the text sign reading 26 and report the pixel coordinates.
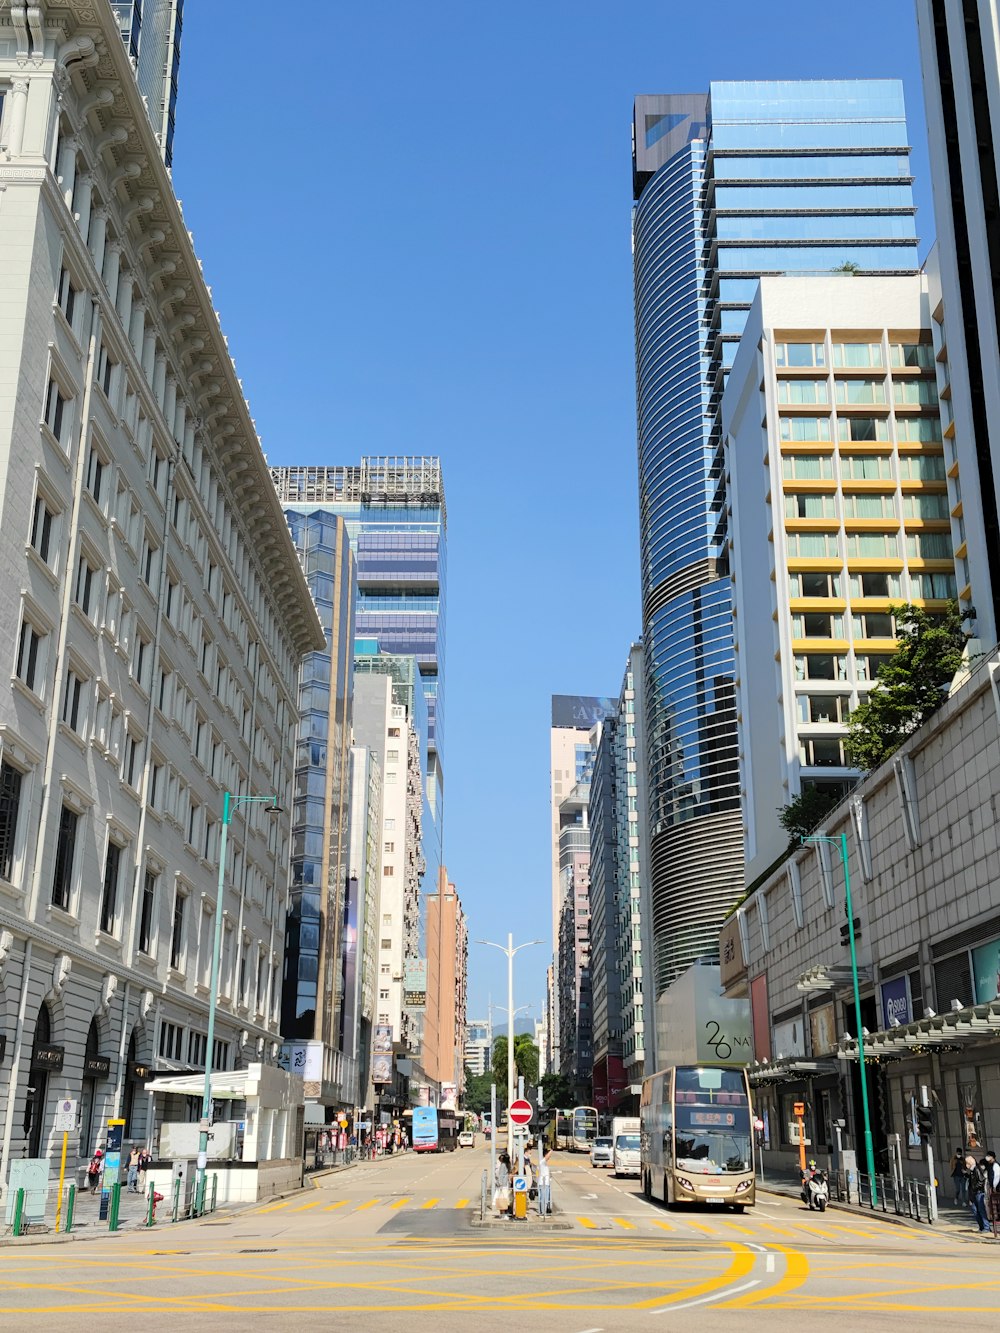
(520, 1111)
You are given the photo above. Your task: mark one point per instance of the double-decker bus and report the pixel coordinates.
(584, 1129)
(696, 1140)
(434, 1130)
(559, 1131)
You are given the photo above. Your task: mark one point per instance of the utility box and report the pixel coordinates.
(520, 1197)
(184, 1170)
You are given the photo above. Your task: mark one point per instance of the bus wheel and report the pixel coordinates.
(647, 1189)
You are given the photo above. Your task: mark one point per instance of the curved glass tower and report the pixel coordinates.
(753, 178)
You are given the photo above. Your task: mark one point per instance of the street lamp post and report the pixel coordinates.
(841, 842)
(229, 804)
(510, 950)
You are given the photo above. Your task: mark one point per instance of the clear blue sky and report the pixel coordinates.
(415, 221)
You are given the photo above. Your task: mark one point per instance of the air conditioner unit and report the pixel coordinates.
(793, 1135)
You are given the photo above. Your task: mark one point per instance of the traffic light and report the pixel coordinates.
(925, 1123)
(845, 932)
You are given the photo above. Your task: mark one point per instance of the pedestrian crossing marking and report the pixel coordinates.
(628, 1226)
(698, 1226)
(313, 1203)
(586, 1222)
(332, 1207)
(401, 1203)
(657, 1223)
(462, 1203)
(430, 1203)
(369, 1204)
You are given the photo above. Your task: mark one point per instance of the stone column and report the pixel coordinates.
(137, 325)
(98, 235)
(169, 399)
(124, 303)
(112, 269)
(66, 168)
(84, 200)
(148, 354)
(18, 112)
(159, 377)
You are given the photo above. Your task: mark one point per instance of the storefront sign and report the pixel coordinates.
(731, 964)
(895, 1002)
(141, 1073)
(97, 1066)
(49, 1058)
(986, 972)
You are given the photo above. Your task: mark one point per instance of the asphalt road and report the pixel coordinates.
(394, 1244)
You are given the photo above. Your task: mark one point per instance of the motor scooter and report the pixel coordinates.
(815, 1189)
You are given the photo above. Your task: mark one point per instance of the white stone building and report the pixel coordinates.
(365, 870)
(154, 614)
(840, 510)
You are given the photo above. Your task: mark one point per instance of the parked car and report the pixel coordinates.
(466, 1139)
(602, 1152)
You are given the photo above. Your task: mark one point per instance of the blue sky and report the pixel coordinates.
(415, 221)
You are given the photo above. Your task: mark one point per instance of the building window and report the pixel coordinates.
(383, 995)
(149, 562)
(393, 733)
(109, 896)
(392, 756)
(10, 806)
(390, 847)
(62, 875)
(66, 296)
(220, 1054)
(85, 594)
(72, 712)
(42, 524)
(388, 871)
(386, 944)
(390, 825)
(862, 428)
(799, 354)
(171, 1040)
(105, 371)
(130, 760)
(146, 910)
(857, 354)
(860, 391)
(94, 480)
(57, 415)
(29, 645)
(177, 932)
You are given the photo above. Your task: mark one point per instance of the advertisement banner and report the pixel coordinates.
(822, 1030)
(895, 1002)
(304, 1058)
(986, 972)
(383, 1039)
(382, 1069)
(761, 1018)
(789, 1038)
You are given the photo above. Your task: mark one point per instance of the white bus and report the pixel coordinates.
(696, 1139)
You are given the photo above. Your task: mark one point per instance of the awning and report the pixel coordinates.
(790, 1068)
(228, 1086)
(832, 976)
(934, 1032)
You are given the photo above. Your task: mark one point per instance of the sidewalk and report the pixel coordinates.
(956, 1223)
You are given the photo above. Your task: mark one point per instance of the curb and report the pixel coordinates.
(894, 1219)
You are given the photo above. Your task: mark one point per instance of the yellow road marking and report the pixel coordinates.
(331, 1207)
(362, 1206)
(315, 1203)
(622, 1223)
(274, 1207)
(401, 1203)
(700, 1226)
(586, 1222)
(741, 1265)
(796, 1272)
(431, 1202)
(657, 1223)
(462, 1203)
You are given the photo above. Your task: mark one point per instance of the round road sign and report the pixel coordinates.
(520, 1111)
(758, 1124)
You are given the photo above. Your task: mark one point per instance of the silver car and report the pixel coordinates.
(602, 1153)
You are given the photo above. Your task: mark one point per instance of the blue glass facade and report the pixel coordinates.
(762, 177)
(313, 992)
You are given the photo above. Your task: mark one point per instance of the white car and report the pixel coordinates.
(602, 1153)
(466, 1139)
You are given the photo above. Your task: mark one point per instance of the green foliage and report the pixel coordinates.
(809, 808)
(848, 266)
(477, 1092)
(525, 1060)
(910, 687)
(557, 1090)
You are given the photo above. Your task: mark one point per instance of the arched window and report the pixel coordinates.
(36, 1101)
(88, 1094)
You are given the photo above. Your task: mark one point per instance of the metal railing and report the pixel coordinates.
(905, 1198)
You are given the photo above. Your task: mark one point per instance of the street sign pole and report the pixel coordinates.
(66, 1121)
(493, 1139)
(932, 1183)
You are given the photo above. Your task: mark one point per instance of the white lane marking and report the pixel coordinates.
(703, 1300)
(769, 1264)
(759, 1248)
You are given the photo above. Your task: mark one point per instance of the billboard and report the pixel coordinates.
(415, 983)
(580, 710)
(986, 972)
(382, 1044)
(382, 1069)
(895, 1002)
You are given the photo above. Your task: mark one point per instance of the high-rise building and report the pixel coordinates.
(960, 59)
(155, 617)
(395, 514)
(314, 997)
(364, 881)
(576, 1050)
(571, 760)
(608, 1070)
(447, 980)
(840, 511)
(478, 1045)
(753, 178)
(151, 31)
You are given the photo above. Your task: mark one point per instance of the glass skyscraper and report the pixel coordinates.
(151, 31)
(754, 178)
(395, 516)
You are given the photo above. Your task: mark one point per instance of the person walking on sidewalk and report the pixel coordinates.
(977, 1192)
(95, 1170)
(959, 1179)
(132, 1166)
(992, 1190)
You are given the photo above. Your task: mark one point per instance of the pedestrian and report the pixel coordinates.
(959, 1179)
(544, 1183)
(132, 1168)
(145, 1162)
(977, 1192)
(95, 1170)
(992, 1189)
(501, 1185)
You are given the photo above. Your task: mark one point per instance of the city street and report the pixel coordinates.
(387, 1242)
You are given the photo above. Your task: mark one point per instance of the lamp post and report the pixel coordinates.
(510, 949)
(841, 842)
(229, 804)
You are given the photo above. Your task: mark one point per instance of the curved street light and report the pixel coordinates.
(510, 949)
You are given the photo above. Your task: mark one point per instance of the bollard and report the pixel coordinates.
(177, 1198)
(114, 1205)
(70, 1206)
(18, 1211)
(151, 1206)
(199, 1195)
(215, 1190)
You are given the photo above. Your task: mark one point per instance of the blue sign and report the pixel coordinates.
(520, 1184)
(895, 1002)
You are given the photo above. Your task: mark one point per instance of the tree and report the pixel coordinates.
(848, 266)
(911, 686)
(477, 1092)
(557, 1091)
(809, 808)
(525, 1060)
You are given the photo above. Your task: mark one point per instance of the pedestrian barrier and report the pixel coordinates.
(905, 1198)
(114, 1206)
(70, 1207)
(484, 1200)
(215, 1190)
(18, 1212)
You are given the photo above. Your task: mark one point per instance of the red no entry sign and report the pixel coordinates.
(520, 1111)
